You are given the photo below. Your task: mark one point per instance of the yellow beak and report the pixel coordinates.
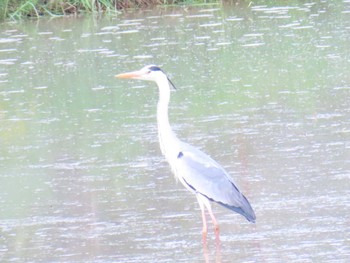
(129, 75)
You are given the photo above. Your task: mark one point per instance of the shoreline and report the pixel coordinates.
(22, 9)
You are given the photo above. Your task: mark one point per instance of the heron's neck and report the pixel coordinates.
(167, 138)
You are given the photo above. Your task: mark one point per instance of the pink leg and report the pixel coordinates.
(205, 203)
(215, 222)
(205, 227)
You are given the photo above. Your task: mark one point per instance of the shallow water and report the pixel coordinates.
(264, 89)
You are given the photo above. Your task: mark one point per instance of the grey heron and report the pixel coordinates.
(198, 172)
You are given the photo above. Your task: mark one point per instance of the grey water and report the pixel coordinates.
(262, 87)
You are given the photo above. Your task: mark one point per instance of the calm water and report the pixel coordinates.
(264, 89)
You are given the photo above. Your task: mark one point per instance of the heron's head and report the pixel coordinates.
(150, 72)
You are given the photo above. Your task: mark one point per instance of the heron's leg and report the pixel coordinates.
(203, 201)
(205, 227)
(215, 222)
(206, 203)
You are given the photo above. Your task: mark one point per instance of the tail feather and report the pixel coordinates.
(245, 209)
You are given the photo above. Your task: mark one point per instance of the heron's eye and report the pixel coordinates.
(149, 71)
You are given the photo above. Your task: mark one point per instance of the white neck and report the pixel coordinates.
(167, 138)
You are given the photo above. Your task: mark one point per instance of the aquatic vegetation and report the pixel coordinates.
(18, 9)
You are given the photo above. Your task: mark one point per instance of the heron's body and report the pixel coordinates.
(198, 172)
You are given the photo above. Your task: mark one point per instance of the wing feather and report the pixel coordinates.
(205, 176)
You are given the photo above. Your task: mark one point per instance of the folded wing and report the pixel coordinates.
(205, 176)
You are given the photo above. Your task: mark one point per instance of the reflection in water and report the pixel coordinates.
(263, 88)
(206, 254)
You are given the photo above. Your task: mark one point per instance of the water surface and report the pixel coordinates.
(262, 88)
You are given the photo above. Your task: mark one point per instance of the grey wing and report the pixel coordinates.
(205, 176)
